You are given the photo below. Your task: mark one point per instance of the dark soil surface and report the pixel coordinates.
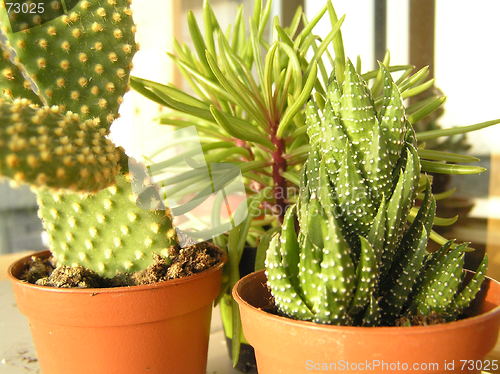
(182, 262)
(420, 320)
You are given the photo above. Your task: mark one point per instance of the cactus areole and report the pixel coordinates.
(357, 257)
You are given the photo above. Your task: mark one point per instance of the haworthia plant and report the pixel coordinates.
(62, 82)
(356, 259)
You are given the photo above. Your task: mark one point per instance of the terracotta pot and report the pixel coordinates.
(157, 329)
(284, 345)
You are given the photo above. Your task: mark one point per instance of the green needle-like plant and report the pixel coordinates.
(355, 258)
(61, 84)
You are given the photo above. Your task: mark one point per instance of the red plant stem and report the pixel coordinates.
(279, 165)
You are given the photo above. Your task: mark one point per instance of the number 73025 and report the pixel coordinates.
(27, 8)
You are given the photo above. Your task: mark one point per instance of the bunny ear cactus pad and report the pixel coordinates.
(106, 232)
(81, 60)
(12, 82)
(360, 258)
(46, 147)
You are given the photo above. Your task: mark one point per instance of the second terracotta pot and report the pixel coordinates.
(287, 346)
(155, 329)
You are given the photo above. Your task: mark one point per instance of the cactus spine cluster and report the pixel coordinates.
(357, 257)
(52, 147)
(62, 82)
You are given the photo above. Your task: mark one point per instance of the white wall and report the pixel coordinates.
(398, 24)
(357, 29)
(468, 66)
(136, 124)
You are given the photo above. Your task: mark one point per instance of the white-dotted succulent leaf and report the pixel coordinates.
(310, 271)
(331, 308)
(373, 314)
(392, 120)
(404, 274)
(376, 236)
(286, 297)
(366, 277)
(465, 297)
(425, 215)
(289, 247)
(326, 134)
(412, 236)
(326, 195)
(334, 93)
(314, 123)
(440, 282)
(399, 205)
(328, 275)
(353, 196)
(357, 112)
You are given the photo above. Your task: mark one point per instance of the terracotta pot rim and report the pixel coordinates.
(167, 283)
(358, 329)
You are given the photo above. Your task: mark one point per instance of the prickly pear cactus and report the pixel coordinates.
(106, 232)
(358, 258)
(54, 136)
(80, 60)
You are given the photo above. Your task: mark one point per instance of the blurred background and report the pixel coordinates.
(458, 38)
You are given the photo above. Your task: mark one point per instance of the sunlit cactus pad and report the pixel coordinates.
(81, 60)
(47, 147)
(358, 257)
(106, 232)
(12, 82)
